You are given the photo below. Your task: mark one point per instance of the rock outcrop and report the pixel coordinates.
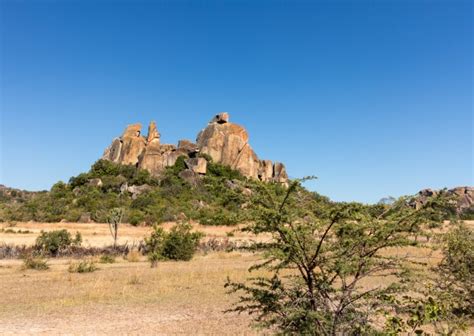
(223, 141)
(463, 196)
(228, 144)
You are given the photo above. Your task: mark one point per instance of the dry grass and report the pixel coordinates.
(98, 235)
(130, 298)
(175, 297)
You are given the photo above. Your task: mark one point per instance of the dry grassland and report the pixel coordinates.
(130, 298)
(125, 297)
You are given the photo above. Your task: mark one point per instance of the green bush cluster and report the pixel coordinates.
(35, 263)
(53, 242)
(83, 266)
(178, 244)
(107, 259)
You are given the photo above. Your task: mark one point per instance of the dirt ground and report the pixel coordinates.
(126, 298)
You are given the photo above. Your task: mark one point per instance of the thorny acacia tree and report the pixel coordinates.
(327, 263)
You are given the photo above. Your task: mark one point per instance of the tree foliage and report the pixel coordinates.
(321, 259)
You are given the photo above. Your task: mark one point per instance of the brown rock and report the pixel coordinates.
(189, 176)
(279, 173)
(95, 182)
(247, 192)
(135, 190)
(153, 135)
(112, 152)
(133, 145)
(171, 157)
(227, 144)
(85, 218)
(197, 165)
(153, 158)
(265, 172)
(223, 141)
(463, 198)
(190, 148)
(220, 118)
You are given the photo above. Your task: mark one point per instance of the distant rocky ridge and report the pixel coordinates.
(463, 196)
(223, 141)
(15, 195)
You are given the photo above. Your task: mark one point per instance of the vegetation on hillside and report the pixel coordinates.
(222, 197)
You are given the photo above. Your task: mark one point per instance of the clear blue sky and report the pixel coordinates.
(373, 97)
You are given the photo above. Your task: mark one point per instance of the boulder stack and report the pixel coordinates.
(223, 141)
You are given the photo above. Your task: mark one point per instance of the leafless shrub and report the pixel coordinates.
(222, 245)
(10, 251)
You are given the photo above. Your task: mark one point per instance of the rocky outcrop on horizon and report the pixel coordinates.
(225, 142)
(463, 196)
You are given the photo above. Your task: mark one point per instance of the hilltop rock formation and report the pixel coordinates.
(223, 141)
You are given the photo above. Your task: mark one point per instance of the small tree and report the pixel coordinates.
(155, 244)
(318, 259)
(114, 219)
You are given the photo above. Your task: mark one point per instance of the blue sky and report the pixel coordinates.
(373, 97)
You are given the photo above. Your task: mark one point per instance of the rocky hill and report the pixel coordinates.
(224, 142)
(218, 179)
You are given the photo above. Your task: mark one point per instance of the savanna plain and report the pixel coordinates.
(128, 296)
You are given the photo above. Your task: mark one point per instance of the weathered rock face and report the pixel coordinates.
(228, 144)
(223, 141)
(133, 144)
(197, 165)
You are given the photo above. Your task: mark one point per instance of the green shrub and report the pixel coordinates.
(79, 180)
(155, 245)
(107, 259)
(135, 217)
(35, 263)
(218, 217)
(53, 242)
(112, 183)
(83, 266)
(140, 177)
(105, 168)
(178, 166)
(219, 170)
(179, 244)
